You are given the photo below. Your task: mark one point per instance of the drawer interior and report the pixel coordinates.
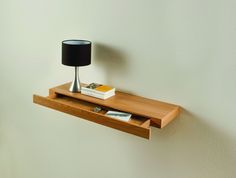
(89, 107)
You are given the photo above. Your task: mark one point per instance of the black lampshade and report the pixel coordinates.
(76, 52)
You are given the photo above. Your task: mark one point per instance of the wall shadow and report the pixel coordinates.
(112, 61)
(198, 148)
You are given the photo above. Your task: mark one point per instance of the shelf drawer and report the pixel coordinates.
(137, 125)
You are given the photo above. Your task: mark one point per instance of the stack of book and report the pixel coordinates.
(98, 91)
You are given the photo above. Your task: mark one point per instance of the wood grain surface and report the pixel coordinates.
(160, 113)
(84, 110)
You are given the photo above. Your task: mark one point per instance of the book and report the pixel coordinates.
(98, 91)
(119, 115)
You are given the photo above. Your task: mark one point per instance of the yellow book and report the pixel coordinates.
(104, 88)
(98, 90)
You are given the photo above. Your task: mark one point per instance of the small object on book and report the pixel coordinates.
(119, 115)
(98, 91)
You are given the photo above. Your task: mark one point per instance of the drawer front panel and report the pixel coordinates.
(71, 107)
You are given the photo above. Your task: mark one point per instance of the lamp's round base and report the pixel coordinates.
(75, 87)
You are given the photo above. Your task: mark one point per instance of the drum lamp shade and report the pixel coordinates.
(76, 52)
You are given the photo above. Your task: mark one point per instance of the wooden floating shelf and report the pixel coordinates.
(145, 112)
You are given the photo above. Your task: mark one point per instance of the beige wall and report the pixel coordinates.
(178, 51)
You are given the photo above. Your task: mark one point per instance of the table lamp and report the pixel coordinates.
(76, 53)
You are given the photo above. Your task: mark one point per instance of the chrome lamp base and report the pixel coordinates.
(75, 86)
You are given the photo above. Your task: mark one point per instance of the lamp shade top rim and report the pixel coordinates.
(76, 42)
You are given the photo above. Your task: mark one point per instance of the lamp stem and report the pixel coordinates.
(75, 85)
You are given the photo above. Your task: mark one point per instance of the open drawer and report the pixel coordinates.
(145, 112)
(136, 125)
